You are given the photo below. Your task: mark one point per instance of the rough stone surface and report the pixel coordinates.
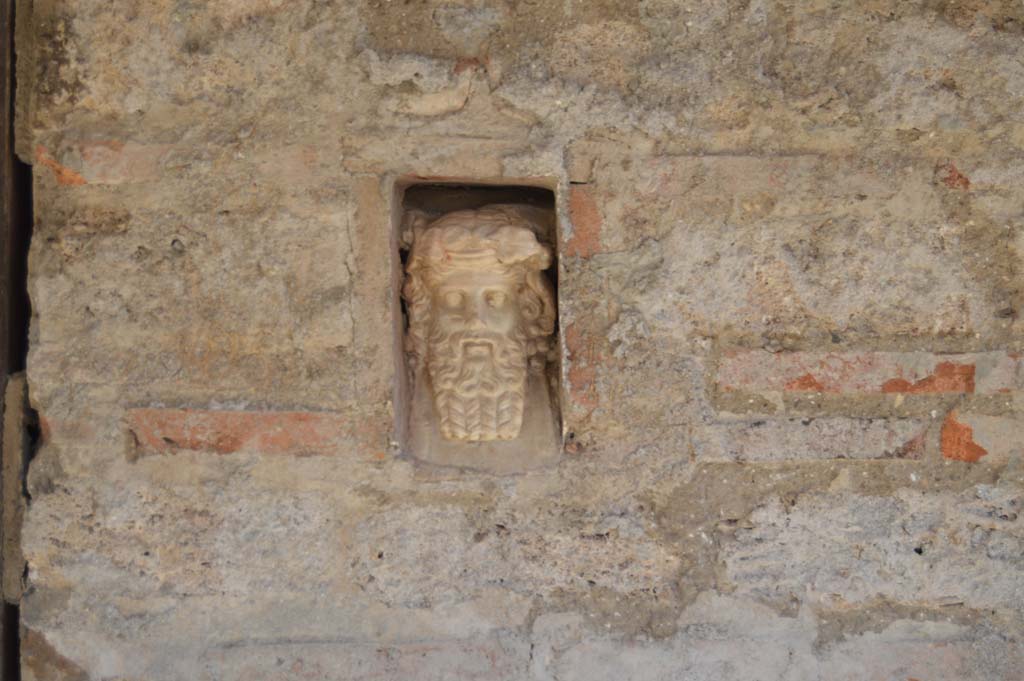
(15, 446)
(790, 291)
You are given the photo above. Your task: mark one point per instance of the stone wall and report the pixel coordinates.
(790, 294)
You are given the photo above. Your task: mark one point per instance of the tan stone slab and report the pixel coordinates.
(13, 503)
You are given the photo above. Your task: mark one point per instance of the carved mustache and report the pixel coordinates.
(456, 343)
(455, 359)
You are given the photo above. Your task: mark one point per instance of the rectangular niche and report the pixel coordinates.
(476, 328)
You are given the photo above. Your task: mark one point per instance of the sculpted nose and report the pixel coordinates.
(473, 310)
(476, 313)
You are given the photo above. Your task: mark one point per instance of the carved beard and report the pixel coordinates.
(479, 381)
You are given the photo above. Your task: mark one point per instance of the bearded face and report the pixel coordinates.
(481, 317)
(477, 355)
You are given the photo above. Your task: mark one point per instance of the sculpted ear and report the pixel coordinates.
(417, 301)
(538, 305)
(413, 223)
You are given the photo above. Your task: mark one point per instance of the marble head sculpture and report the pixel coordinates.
(481, 317)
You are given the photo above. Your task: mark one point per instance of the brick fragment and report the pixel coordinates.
(763, 372)
(958, 441)
(953, 178)
(267, 432)
(586, 224)
(949, 377)
(806, 382)
(62, 174)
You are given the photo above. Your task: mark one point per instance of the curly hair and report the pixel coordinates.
(501, 235)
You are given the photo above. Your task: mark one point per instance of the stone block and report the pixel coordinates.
(912, 546)
(41, 662)
(810, 439)
(731, 639)
(426, 557)
(116, 162)
(495, 659)
(907, 650)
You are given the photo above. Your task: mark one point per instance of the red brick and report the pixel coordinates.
(586, 224)
(267, 432)
(948, 378)
(958, 441)
(997, 434)
(759, 371)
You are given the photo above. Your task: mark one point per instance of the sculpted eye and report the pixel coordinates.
(496, 298)
(453, 299)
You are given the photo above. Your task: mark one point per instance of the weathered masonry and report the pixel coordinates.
(480, 339)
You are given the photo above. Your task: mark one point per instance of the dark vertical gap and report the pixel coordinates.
(17, 197)
(403, 257)
(12, 643)
(20, 311)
